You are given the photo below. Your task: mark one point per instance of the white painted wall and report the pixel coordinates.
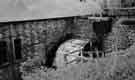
(11, 10)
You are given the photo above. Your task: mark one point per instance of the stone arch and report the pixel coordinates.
(51, 53)
(68, 53)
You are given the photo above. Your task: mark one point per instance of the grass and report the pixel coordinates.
(109, 68)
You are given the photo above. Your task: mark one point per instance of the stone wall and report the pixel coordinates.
(121, 37)
(42, 38)
(35, 36)
(83, 28)
(39, 37)
(41, 32)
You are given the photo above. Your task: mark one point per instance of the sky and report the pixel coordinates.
(12, 10)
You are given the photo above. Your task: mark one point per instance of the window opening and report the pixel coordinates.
(3, 52)
(18, 47)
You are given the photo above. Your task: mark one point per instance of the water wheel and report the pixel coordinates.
(69, 52)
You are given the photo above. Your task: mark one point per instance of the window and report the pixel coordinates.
(18, 47)
(3, 52)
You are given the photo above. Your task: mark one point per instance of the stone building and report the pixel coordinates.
(27, 39)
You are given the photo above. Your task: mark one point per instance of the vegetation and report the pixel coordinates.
(112, 67)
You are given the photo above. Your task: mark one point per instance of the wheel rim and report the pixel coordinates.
(68, 52)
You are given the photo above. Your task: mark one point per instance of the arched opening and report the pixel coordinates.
(51, 53)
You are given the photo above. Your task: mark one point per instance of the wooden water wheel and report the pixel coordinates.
(70, 52)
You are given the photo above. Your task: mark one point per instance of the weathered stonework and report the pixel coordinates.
(35, 36)
(39, 37)
(83, 28)
(121, 37)
(42, 38)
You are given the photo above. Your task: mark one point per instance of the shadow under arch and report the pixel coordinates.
(51, 53)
